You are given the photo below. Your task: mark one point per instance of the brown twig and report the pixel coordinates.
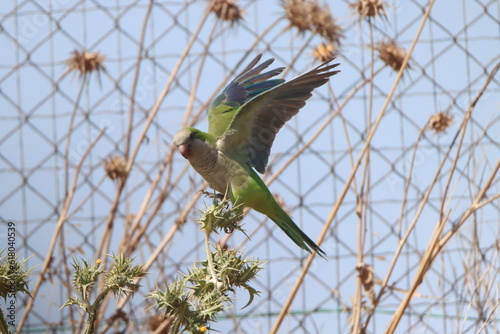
(434, 248)
(105, 239)
(135, 81)
(362, 198)
(60, 222)
(435, 245)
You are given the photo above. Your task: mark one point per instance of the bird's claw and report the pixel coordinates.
(213, 195)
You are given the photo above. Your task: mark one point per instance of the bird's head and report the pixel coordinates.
(190, 142)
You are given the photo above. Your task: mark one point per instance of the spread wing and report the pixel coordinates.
(248, 84)
(251, 133)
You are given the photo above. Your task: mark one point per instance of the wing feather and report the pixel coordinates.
(255, 124)
(247, 84)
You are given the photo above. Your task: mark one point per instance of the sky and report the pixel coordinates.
(459, 45)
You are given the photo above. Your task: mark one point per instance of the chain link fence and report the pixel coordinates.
(402, 172)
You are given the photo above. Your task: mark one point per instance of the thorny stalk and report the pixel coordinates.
(209, 253)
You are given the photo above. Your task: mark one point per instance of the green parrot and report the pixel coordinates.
(242, 124)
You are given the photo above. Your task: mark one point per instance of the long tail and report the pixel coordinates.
(294, 232)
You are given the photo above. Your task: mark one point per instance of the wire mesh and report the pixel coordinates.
(60, 127)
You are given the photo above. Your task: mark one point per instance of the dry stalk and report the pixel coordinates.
(424, 200)
(347, 185)
(83, 75)
(106, 236)
(105, 239)
(362, 206)
(128, 244)
(408, 181)
(165, 241)
(194, 88)
(135, 81)
(436, 244)
(60, 222)
(136, 239)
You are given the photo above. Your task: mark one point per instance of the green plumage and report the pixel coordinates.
(243, 122)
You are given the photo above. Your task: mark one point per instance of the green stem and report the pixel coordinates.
(209, 253)
(93, 310)
(4, 328)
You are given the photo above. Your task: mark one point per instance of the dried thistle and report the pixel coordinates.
(369, 8)
(115, 167)
(324, 52)
(227, 10)
(391, 54)
(440, 121)
(298, 13)
(85, 62)
(365, 274)
(324, 24)
(307, 15)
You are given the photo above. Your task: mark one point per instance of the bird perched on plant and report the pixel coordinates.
(242, 124)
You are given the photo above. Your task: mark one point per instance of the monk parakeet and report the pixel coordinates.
(242, 124)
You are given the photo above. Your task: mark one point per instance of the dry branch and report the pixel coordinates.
(348, 182)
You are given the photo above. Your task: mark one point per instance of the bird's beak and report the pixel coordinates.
(184, 149)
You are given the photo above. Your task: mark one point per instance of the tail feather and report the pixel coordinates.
(295, 233)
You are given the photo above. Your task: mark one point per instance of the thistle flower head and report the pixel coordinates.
(85, 62)
(308, 15)
(115, 167)
(440, 122)
(227, 10)
(391, 54)
(324, 51)
(366, 9)
(324, 24)
(298, 13)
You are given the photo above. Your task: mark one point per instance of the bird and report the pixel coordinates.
(242, 124)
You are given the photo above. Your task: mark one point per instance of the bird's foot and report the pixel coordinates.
(209, 194)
